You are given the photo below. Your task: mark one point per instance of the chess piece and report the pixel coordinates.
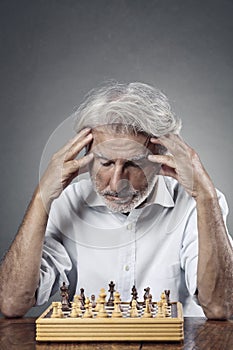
(117, 311)
(78, 302)
(134, 311)
(73, 313)
(82, 295)
(150, 299)
(150, 302)
(163, 297)
(75, 298)
(102, 311)
(59, 308)
(167, 293)
(134, 294)
(147, 311)
(65, 297)
(165, 309)
(55, 313)
(97, 307)
(111, 291)
(93, 302)
(88, 311)
(160, 313)
(146, 294)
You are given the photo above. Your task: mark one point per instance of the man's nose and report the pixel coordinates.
(119, 180)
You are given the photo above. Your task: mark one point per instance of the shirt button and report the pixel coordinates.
(126, 267)
(129, 226)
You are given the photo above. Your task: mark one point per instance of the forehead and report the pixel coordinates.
(115, 145)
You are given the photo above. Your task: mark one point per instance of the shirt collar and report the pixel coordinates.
(161, 195)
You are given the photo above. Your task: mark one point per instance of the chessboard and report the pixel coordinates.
(111, 321)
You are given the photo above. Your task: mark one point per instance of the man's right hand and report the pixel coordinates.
(64, 167)
(17, 295)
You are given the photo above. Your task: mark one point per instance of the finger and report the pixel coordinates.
(163, 159)
(83, 133)
(77, 146)
(167, 171)
(174, 143)
(74, 165)
(73, 141)
(84, 161)
(171, 138)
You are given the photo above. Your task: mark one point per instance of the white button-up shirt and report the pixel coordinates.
(87, 246)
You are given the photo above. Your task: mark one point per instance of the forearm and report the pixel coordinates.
(19, 271)
(215, 274)
(215, 258)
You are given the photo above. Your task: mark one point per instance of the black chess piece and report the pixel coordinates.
(146, 294)
(134, 294)
(65, 297)
(111, 291)
(93, 302)
(167, 293)
(83, 298)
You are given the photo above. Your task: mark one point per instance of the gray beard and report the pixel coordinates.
(137, 200)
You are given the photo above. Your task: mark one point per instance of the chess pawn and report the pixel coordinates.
(160, 313)
(134, 311)
(163, 297)
(117, 311)
(166, 310)
(102, 313)
(76, 298)
(97, 307)
(59, 308)
(55, 313)
(78, 302)
(73, 313)
(93, 302)
(147, 312)
(88, 307)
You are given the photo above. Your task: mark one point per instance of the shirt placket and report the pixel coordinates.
(127, 258)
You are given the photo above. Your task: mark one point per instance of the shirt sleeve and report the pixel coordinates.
(189, 249)
(55, 264)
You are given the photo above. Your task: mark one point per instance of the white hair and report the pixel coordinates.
(135, 106)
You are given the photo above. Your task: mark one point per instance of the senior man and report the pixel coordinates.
(147, 214)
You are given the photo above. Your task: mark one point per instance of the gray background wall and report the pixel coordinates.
(54, 51)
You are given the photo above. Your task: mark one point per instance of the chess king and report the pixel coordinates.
(147, 212)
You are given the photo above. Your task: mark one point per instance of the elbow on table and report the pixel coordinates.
(11, 312)
(12, 309)
(218, 312)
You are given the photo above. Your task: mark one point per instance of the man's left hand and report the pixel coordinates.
(182, 163)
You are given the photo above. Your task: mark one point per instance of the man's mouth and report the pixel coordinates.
(119, 199)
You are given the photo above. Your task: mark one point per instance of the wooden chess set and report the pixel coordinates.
(85, 319)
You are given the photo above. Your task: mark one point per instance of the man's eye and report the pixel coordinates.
(137, 164)
(106, 164)
(131, 164)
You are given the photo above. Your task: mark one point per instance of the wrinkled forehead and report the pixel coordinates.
(118, 145)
